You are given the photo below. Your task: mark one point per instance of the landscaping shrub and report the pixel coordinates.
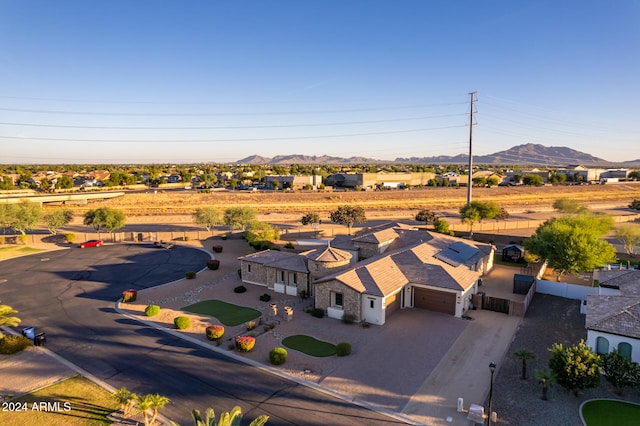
(308, 310)
(13, 344)
(250, 325)
(278, 356)
(213, 264)
(239, 273)
(318, 313)
(223, 236)
(129, 296)
(289, 246)
(152, 310)
(343, 349)
(245, 343)
(215, 332)
(348, 318)
(217, 249)
(190, 275)
(182, 322)
(240, 289)
(265, 297)
(69, 237)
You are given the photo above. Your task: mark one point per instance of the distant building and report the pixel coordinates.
(293, 182)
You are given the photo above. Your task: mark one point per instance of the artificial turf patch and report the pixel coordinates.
(227, 313)
(309, 345)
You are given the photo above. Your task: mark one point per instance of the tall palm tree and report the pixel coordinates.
(157, 402)
(144, 404)
(524, 355)
(6, 320)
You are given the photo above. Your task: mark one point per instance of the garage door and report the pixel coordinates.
(392, 303)
(434, 300)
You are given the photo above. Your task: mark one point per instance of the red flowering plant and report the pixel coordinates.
(129, 296)
(245, 343)
(215, 332)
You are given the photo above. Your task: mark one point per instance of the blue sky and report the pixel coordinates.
(210, 81)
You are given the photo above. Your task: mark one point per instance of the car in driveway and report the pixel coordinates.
(92, 243)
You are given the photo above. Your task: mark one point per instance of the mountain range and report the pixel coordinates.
(526, 154)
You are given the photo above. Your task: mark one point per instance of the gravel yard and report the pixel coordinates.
(550, 319)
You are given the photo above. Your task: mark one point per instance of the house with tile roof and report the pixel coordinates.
(613, 315)
(368, 278)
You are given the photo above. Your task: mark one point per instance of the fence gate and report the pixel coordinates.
(495, 304)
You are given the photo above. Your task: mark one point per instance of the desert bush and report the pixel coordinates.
(69, 237)
(240, 289)
(308, 310)
(13, 344)
(265, 297)
(318, 313)
(190, 275)
(152, 310)
(215, 332)
(289, 246)
(223, 236)
(217, 249)
(348, 318)
(278, 356)
(129, 295)
(239, 273)
(245, 343)
(250, 325)
(213, 264)
(182, 322)
(343, 349)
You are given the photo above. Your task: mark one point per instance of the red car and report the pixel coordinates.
(92, 243)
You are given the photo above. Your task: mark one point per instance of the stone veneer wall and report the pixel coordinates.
(351, 299)
(366, 249)
(322, 269)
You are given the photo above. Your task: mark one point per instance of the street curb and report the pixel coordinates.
(271, 370)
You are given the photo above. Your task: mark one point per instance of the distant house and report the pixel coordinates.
(396, 268)
(293, 182)
(613, 315)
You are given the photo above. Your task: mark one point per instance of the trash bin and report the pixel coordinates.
(40, 339)
(29, 332)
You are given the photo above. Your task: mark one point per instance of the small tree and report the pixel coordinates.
(25, 216)
(441, 227)
(524, 355)
(620, 372)
(470, 215)
(576, 367)
(208, 217)
(425, 216)
(105, 218)
(239, 217)
(58, 219)
(157, 402)
(310, 218)
(7, 319)
(545, 378)
(348, 215)
(629, 237)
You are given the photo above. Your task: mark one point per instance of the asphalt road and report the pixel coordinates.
(70, 294)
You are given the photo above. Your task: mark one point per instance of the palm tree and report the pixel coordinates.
(157, 402)
(144, 404)
(126, 399)
(231, 418)
(546, 378)
(524, 355)
(6, 320)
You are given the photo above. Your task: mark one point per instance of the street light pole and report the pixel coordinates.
(492, 367)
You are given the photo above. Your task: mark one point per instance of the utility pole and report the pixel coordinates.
(470, 150)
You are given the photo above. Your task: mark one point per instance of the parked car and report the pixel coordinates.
(164, 245)
(92, 243)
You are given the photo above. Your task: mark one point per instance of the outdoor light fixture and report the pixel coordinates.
(492, 367)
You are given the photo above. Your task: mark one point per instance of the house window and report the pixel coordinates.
(337, 299)
(625, 350)
(281, 276)
(602, 345)
(295, 278)
(372, 303)
(249, 267)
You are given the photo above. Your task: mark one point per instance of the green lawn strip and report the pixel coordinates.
(13, 251)
(309, 345)
(604, 413)
(227, 313)
(71, 402)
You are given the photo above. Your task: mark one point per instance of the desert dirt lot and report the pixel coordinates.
(393, 203)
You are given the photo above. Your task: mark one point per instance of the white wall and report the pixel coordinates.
(614, 340)
(375, 315)
(566, 290)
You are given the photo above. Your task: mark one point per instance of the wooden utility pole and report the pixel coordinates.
(470, 149)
